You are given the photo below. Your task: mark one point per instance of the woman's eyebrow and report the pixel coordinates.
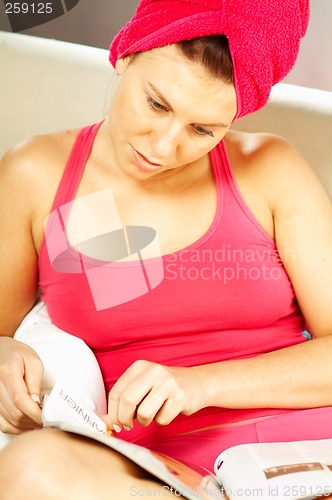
(213, 125)
(159, 94)
(162, 98)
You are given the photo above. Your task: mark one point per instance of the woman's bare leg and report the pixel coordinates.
(53, 465)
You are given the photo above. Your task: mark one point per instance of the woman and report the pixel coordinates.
(214, 353)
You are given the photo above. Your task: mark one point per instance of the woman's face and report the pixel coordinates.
(166, 113)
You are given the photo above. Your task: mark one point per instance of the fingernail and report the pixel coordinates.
(35, 398)
(126, 428)
(117, 428)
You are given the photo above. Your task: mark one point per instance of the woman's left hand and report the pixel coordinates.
(149, 391)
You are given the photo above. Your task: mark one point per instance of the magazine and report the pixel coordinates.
(293, 471)
(65, 410)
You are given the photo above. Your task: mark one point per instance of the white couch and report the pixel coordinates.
(48, 85)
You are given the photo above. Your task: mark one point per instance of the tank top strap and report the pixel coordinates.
(224, 166)
(232, 195)
(75, 165)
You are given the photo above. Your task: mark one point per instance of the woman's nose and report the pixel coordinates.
(164, 141)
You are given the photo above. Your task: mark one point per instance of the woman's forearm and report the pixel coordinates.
(299, 376)
(295, 377)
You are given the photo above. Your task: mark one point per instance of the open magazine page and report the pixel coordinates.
(65, 405)
(64, 409)
(277, 470)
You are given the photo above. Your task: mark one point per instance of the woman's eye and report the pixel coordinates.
(202, 131)
(155, 105)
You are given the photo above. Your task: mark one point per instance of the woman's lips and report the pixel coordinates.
(142, 163)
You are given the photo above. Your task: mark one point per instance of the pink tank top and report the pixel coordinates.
(226, 296)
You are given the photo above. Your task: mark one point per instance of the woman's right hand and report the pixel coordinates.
(21, 372)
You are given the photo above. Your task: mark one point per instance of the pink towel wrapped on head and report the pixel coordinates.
(264, 37)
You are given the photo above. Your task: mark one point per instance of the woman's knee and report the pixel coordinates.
(51, 464)
(29, 464)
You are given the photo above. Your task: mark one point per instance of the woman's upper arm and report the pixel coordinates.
(18, 256)
(302, 215)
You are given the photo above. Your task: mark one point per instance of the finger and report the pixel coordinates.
(122, 407)
(167, 413)
(130, 390)
(19, 400)
(8, 409)
(36, 399)
(13, 414)
(29, 408)
(33, 374)
(149, 407)
(7, 428)
(115, 395)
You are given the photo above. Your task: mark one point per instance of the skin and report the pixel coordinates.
(279, 188)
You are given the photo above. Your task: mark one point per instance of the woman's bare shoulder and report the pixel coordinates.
(42, 154)
(253, 149)
(271, 164)
(35, 166)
